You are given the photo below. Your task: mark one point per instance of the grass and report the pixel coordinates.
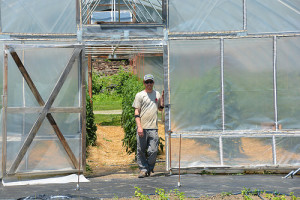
(107, 102)
(108, 120)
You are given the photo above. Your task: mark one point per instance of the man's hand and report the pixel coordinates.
(140, 132)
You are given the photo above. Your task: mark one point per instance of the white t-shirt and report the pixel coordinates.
(149, 104)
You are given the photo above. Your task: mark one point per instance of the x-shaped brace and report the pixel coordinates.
(46, 106)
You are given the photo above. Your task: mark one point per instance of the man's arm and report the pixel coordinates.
(162, 102)
(140, 130)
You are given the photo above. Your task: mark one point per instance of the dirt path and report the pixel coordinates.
(110, 156)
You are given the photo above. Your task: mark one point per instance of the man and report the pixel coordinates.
(146, 104)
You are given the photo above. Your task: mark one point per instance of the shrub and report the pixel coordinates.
(129, 90)
(91, 127)
(110, 84)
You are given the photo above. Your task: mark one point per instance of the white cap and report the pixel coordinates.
(148, 77)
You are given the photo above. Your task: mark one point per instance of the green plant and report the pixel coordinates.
(223, 194)
(162, 194)
(109, 84)
(245, 193)
(88, 168)
(130, 88)
(138, 193)
(108, 120)
(104, 101)
(179, 194)
(91, 127)
(116, 197)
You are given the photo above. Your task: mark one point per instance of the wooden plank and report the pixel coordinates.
(4, 115)
(39, 109)
(28, 46)
(45, 173)
(44, 112)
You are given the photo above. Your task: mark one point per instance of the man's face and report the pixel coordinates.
(149, 84)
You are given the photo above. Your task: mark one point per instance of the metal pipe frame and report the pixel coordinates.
(140, 11)
(132, 9)
(146, 10)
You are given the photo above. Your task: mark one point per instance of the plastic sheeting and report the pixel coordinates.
(195, 85)
(261, 16)
(152, 65)
(205, 16)
(288, 88)
(229, 151)
(264, 16)
(248, 88)
(73, 178)
(234, 100)
(22, 16)
(248, 83)
(44, 66)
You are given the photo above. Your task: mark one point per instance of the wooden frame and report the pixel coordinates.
(46, 106)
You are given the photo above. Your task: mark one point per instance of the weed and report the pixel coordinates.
(223, 194)
(138, 193)
(179, 194)
(115, 197)
(107, 140)
(133, 167)
(88, 168)
(162, 194)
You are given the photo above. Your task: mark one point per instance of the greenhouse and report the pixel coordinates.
(229, 68)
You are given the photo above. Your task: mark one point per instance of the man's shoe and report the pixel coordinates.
(149, 172)
(142, 174)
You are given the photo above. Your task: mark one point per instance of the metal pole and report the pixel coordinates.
(132, 10)
(155, 9)
(275, 81)
(140, 11)
(147, 11)
(119, 8)
(222, 82)
(244, 15)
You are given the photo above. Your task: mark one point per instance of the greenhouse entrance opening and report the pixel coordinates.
(105, 62)
(43, 115)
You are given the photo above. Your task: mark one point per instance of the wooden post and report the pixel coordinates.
(4, 112)
(179, 160)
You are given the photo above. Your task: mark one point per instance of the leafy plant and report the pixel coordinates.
(138, 193)
(130, 88)
(162, 194)
(91, 127)
(223, 194)
(179, 194)
(109, 84)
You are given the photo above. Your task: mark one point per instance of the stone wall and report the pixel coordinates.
(109, 67)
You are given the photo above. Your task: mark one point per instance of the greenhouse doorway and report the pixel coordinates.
(110, 154)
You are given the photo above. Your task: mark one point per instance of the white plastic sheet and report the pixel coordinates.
(35, 16)
(73, 178)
